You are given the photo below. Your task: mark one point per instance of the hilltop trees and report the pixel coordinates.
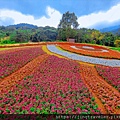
(24, 32)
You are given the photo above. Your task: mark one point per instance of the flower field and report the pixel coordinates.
(55, 88)
(110, 74)
(109, 97)
(45, 79)
(10, 62)
(12, 79)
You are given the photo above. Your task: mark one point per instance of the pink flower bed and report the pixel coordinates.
(12, 61)
(54, 87)
(110, 74)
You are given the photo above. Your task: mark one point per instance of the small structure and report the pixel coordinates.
(70, 40)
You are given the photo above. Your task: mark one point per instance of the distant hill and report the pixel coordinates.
(23, 26)
(113, 29)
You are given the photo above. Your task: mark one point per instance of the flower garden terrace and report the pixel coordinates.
(59, 78)
(79, 48)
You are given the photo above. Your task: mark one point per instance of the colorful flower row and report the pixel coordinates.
(110, 74)
(53, 43)
(54, 87)
(10, 50)
(12, 61)
(83, 58)
(110, 54)
(7, 83)
(109, 97)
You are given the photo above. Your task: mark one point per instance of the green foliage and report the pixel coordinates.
(32, 109)
(93, 99)
(24, 33)
(92, 42)
(115, 48)
(68, 20)
(7, 41)
(7, 110)
(117, 43)
(83, 107)
(84, 113)
(37, 97)
(95, 107)
(118, 107)
(43, 111)
(64, 28)
(65, 33)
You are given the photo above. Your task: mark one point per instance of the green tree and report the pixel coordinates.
(67, 26)
(68, 20)
(117, 43)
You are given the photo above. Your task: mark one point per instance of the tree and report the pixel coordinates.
(108, 39)
(68, 21)
(117, 43)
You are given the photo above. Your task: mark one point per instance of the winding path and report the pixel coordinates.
(93, 60)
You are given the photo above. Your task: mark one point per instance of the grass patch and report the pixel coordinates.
(115, 48)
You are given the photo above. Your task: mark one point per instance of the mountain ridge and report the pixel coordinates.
(113, 29)
(21, 25)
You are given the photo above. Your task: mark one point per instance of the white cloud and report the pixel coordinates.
(54, 16)
(18, 17)
(110, 16)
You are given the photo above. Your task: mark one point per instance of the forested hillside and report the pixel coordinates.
(23, 33)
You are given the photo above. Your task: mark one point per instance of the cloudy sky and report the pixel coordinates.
(91, 13)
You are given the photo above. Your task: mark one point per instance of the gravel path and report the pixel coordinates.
(101, 61)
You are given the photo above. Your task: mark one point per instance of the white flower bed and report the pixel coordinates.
(105, 51)
(74, 47)
(101, 61)
(87, 47)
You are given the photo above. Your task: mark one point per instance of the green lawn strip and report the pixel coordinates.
(115, 48)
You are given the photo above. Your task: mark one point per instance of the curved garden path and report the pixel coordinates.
(9, 81)
(93, 60)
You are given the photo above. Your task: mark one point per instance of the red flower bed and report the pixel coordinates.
(109, 97)
(7, 83)
(110, 54)
(12, 61)
(110, 74)
(10, 50)
(54, 87)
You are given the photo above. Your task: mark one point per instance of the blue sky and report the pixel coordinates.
(91, 13)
